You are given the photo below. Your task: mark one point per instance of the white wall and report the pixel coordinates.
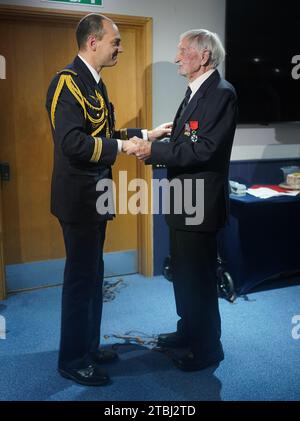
(170, 19)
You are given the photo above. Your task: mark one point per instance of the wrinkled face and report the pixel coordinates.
(190, 60)
(108, 48)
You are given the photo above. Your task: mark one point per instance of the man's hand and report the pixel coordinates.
(138, 147)
(164, 130)
(130, 146)
(144, 150)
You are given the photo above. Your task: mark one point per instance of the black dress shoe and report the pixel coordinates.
(189, 362)
(88, 376)
(171, 340)
(105, 356)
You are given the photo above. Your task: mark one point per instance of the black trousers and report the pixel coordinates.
(193, 262)
(82, 293)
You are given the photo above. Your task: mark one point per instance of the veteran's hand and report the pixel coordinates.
(144, 150)
(164, 130)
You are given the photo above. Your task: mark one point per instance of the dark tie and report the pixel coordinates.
(183, 104)
(186, 100)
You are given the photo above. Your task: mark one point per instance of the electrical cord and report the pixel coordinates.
(134, 337)
(111, 289)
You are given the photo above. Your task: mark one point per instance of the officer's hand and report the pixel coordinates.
(130, 146)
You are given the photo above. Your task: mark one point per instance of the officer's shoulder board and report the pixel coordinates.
(67, 71)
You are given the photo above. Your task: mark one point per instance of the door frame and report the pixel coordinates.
(2, 271)
(144, 25)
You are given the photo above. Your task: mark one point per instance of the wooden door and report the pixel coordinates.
(2, 272)
(35, 46)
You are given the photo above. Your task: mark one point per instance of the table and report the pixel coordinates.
(260, 240)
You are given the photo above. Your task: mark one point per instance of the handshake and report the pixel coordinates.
(142, 148)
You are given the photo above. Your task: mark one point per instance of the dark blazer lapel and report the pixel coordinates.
(199, 95)
(175, 119)
(187, 112)
(84, 72)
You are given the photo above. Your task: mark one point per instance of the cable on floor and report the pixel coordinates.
(112, 288)
(134, 337)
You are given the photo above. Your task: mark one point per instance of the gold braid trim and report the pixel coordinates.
(103, 115)
(123, 134)
(99, 130)
(102, 120)
(68, 80)
(100, 99)
(57, 92)
(105, 110)
(76, 92)
(97, 150)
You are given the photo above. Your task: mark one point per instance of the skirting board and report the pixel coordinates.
(50, 272)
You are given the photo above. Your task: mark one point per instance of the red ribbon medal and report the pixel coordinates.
(194, 125)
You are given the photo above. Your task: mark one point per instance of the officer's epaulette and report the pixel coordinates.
(66, 71)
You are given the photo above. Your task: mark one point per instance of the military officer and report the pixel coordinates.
(86, 144)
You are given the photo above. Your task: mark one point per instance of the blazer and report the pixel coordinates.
(85, 145)
(199, 149)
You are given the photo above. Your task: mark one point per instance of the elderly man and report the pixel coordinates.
(199, 149)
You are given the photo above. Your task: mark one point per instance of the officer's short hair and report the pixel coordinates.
(91, 24)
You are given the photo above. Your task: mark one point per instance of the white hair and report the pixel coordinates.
(205, 39)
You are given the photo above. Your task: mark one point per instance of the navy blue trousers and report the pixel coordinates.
(82, 299)
(193, 263)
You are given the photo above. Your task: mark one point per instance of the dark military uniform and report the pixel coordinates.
(85, 147)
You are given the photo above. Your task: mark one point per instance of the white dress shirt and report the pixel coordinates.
(94, 72)
(195, 85)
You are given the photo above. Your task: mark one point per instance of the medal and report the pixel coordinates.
(187, 130)
(194, 125)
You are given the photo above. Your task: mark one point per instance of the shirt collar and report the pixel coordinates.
(94, 72)
(195, 85)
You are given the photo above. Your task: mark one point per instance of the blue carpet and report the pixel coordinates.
(51, 272)
(261, 357)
